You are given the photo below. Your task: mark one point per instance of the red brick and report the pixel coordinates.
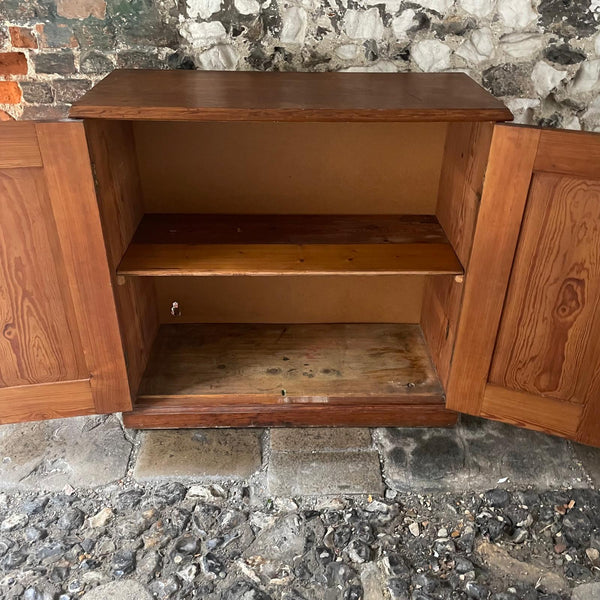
(4, 116)
(13, 63)
(22, 37)
(10, 92)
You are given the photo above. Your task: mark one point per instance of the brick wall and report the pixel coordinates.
(542, 57)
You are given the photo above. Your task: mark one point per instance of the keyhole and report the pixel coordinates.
(175, 310)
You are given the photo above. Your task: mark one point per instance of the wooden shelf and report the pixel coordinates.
(196, 245)
(264, 96)
(332, 374)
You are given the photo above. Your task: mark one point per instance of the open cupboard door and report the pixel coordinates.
(60, 347)
(527, 348)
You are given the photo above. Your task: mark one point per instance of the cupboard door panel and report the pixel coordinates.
(536, 363)
(60, 348)
(39, 342)
(548, 342)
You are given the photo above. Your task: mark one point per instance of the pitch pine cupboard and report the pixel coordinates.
(249, 249)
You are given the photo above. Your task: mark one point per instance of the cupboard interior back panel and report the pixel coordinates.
(287, 168)
(320, 299)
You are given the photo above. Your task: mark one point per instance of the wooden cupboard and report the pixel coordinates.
(252, 249)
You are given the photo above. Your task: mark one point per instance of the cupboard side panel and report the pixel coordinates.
(113, 152)
(461, 182)
(440, 313)
(39, 342)
(71, 190)
(505, 190)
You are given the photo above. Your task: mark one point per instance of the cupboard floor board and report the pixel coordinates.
(270, 375)
(194, 244)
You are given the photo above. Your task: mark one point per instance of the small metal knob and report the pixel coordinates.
(175, 310)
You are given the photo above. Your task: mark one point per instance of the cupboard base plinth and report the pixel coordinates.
(173, 413)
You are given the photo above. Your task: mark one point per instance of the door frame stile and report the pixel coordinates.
(507, 180)
(70, 183)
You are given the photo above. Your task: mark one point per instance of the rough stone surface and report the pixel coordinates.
(51, 454)
(70, 90)
(240, 539)
(59, 63)
(500, 560)
(587, 591)
(119, 590)
(329, 473)
(318, 439)
(37, 92)
(510, 46)
(196, 454)
(475, 455)
(590, 459)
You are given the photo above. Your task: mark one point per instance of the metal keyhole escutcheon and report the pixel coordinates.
(175, 310)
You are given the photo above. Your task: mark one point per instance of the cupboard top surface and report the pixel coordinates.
(266, 96)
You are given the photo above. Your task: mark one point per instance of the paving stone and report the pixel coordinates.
(198, 453)
(82, 452)
(499, 560)
(590, 459)
(319, 439)
(587, 591)
(119, 590)
(476, 455)
(324, 473)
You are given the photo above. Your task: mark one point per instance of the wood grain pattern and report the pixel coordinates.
(291, 361)
(531, 411)
(39, 342)
(461, 183)
(546, 343)
(313, 168)
(507, 181)
(71, 191)
(113, 154)
(18, 145)
(246, 96)
(291, 244)
(46, 401)
(574, 153)
(288, 259)
(289, 375)
(288, 229)
(440, 315)
(175, 414)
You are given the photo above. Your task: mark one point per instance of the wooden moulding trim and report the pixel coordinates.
(300, 415)
(574, 153)
(200, 403)
(531, 411)
(173, 113)
(19, 146)
(46, 401)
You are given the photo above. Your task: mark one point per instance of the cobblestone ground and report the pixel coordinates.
(482, 511)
